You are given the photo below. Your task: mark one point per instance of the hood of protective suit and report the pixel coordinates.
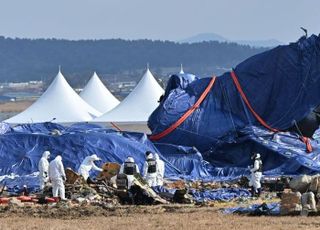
(58, 158)
(94, 157)
(46, 154)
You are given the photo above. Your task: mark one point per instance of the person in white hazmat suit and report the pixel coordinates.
(57, 177)
(256, 175)
(43, 167)
(87, 165)
(160, 169)
(129, 168)
(150, 171)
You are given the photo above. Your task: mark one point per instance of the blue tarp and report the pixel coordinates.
(282, 85)
(221, 194)
(22, 147)
(272, 209)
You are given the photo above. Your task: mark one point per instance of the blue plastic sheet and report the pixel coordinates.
(272, 209)
(282, 85)
(222, 194)
(22, 147)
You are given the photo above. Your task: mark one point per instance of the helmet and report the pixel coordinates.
(150, 156)
(129, 160)
(148, 153)
(258, 155)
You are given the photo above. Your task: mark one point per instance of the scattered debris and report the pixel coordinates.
(290, 203)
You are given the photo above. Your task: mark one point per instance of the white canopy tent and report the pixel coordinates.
(98, 96)
(59, 103)
(138, 105)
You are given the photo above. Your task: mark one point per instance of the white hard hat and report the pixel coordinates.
(150, 156)
(130, 160)
(258, 155)
(94, 157)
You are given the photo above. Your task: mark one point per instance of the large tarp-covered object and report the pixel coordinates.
(23, 145)
(281, 86)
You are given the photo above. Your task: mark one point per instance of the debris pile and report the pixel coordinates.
(290, 203)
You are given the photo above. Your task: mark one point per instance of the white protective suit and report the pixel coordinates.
(43, 167)
(160, 169)
(256, 175)
(150, 171)
(130, 178)
(88, 164)
(57, 177)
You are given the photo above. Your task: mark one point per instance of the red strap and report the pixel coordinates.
(164, 133)
(262, 122)
(115, 126)
(307, 143)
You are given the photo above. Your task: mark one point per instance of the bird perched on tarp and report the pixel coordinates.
(305, 31)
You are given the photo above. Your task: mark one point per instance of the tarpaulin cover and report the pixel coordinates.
(221, 194)
(272, 209)
(282, 85)
(22, 147)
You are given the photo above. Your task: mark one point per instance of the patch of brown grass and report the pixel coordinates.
(197, 218)
(17, 106)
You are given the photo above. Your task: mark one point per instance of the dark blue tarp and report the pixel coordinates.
(282, 85)
(272, 209)
(221, 194)
(22, 147)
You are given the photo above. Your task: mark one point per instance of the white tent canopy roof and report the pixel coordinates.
(138, 105)
(59, 103)
(98, 96)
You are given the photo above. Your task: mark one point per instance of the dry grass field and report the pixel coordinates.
(17, 106)
(193, 219)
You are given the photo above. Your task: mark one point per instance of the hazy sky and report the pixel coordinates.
(161, 19)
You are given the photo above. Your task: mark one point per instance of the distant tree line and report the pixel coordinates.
(36, 59)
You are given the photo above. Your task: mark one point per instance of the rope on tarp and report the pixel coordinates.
(305, 140)
(155, 137)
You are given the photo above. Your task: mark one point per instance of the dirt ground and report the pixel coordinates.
(152, 217)
(16, 106)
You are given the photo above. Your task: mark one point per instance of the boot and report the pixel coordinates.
(253, 191)
(259, 192)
